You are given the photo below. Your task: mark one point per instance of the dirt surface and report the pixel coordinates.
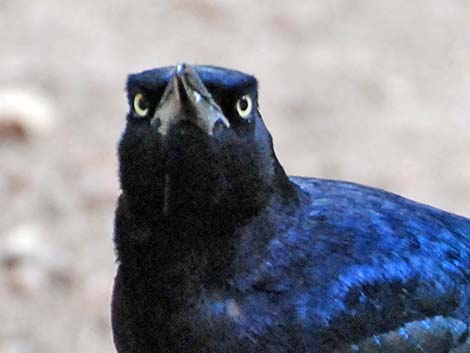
(376, 92)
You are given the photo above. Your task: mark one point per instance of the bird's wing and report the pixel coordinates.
(436, 335)
(390, 263)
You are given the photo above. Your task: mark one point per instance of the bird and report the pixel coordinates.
(219, 250)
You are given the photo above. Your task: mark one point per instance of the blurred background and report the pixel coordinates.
(376, 92)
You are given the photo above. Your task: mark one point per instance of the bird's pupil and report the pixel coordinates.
(143, 104)
(243, 104)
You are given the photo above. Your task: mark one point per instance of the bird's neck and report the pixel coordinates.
(196, 200)
(191, 227)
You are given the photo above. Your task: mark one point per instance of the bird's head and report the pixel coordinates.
(195, 146)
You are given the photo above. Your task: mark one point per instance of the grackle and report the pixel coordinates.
(219, 251)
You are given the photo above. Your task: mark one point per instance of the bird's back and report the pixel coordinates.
(355, 262)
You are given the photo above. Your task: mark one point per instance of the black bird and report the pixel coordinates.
(219, 251)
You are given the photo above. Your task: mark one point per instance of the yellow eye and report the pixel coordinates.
(141, 106)
(244, 106)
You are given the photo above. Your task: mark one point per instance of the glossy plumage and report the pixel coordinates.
(220, 251)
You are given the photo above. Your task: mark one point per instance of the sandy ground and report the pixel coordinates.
(376, 92)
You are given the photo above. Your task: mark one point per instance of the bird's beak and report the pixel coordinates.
(186, 98)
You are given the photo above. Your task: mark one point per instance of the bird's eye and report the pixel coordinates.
(244, 106)
(141, 105)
